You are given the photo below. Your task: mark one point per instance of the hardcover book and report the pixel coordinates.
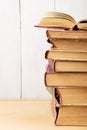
(68, 79)
(66, 34)
(66, 55)
(68, 44)
(72, 115)
(70, 66)
(62, 21)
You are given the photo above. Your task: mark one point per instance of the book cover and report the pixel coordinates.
(66, 55)
(68, 44)
(70, 66)
(62, 79)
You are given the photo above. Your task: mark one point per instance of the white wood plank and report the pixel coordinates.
(9, 49)
(33, 48)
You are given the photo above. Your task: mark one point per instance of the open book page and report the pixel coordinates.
(60, 15)
(60, 20)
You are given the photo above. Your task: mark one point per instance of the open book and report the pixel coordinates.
(62, 21)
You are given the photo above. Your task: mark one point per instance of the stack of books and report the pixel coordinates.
(68, 50)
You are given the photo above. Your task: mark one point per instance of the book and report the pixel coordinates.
(68, 44)
(72, 115)
(70, 66)
(61, 20)
(67, 34)
(73, 95)
(62, 79)
(66, 55)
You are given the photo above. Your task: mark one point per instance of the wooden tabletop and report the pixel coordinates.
(32, 114)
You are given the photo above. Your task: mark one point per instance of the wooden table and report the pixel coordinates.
(32, 114)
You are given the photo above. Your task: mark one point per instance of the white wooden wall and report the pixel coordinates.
(22, 62)
(9, 49)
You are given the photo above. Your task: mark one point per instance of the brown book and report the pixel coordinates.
(62, 79)
(68, 44)
(66, 55)
(70, 66)
(66, 34)
(73, 95)
(72, 115)
(61, 20)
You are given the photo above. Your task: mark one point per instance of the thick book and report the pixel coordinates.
(66, 55)
(69, 79)
(72, 115)
(61, 20)
(73, 95)
(68, 44)
(66, 34)
(70, 66)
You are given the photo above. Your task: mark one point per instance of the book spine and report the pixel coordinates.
(45, 79)
(55, 66)
(46, 54)
(50, 41)
(47, 34)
